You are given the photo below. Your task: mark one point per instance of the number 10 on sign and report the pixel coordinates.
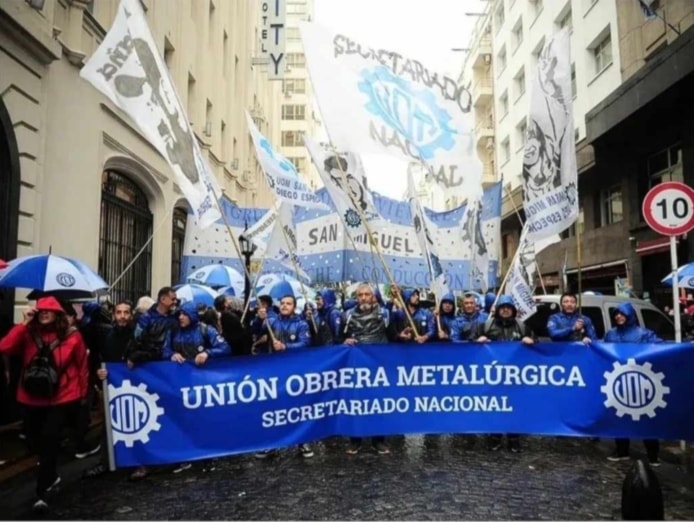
(668, 208)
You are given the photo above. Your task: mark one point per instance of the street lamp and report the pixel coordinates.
(247, 250)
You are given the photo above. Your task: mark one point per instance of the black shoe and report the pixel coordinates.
(381, 448)
(618, 456)
(353, 448)
(514, 446)
(305, 451)
(654, 462)
(263, 454)
(183, 466)
(40, 505)
(95, 471)
(494, 445)
(55, 484)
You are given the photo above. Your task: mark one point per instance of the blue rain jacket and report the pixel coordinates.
(329, 313)
(423, 319)
(194, 338)
(466, 326)
(560, 327)
(447, 319)
(631, 332)
(292, 331)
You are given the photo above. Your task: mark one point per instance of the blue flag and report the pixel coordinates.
(164, 412)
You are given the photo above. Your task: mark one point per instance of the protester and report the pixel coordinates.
(423, 320)
(628, 331)
(327, 319)
(261, 341)
(237, 336)
(445, 317)
(467, 325)
(568, 324)
(111, 350)
(54, 378)
(504, 326)
(366, 323)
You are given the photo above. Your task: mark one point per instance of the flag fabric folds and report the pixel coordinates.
(280, 173)
(520, 285)
(379, 101)
(550, 179)
(129, 70)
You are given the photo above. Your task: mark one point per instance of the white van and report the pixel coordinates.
(599, 308)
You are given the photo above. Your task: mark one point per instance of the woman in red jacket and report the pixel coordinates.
(45, 408)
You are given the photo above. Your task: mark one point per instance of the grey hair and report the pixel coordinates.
(236, 303)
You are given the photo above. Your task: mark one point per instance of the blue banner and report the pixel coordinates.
(165, 412)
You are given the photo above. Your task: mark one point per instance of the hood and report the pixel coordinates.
(628, 311)
(329, 297)
(407, 294)
(281, 289)
(507, 300)
(448, 298)
(190, 309)
(489, 301)
(349, 304)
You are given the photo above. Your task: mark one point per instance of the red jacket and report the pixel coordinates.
(70, 358)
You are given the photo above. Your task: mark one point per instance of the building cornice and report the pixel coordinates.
(29, 29)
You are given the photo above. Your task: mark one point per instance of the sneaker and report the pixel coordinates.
(263, 454)
(654, 463)
(495, 446)
(86, 453)
(95, 471)
(55, 484)
(183, 466)
(514, 446)
(40, 505)
(353, 448)
(617, 457)
(306, 451)
(381, 448)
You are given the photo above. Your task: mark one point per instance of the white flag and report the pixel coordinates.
(129, 70)
(344, 179)
(424, 231)
(473, 238)
(378, 101)
(260, 232)
(550, 190)
(281, 174)
(519, 285)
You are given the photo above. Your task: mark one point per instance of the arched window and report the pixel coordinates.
(178, 237)
(126, 226)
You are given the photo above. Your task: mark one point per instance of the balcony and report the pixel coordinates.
(485, 137)
(482, 52)
(482, 91)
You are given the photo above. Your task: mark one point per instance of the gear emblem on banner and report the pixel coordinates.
(352, 218)
(634, 389)
(134, 413)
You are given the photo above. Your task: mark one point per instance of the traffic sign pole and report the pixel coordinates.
(675, 289)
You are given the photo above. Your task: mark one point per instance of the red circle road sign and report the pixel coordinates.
(669, 208)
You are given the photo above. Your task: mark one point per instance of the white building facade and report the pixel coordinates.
(77, 177)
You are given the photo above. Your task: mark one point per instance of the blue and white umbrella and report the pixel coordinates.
(49, 273)
(228, 291)
(216, 276)
(685, 276)
(270, 283)
(198, 294)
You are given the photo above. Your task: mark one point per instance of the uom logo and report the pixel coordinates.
(134, 413)
(634, 389)
(412, 113)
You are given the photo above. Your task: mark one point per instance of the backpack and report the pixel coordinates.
(41, 376)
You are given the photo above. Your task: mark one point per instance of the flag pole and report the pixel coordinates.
(252, 291)
(508, 272)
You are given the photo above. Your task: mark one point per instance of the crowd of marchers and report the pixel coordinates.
(62, 354)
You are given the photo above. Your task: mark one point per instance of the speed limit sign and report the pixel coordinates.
(669, 208)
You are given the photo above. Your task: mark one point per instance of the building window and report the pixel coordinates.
(612, 209)
(168, 54)
(518, 34)
(503, 104)
(124, 229)
(292, 139)
(178, 237)
(501, 59)
(603, 54)
(666, 165)
(293, 34)
(299, 163)
(505, 150)
(296, 9)
(520, 83)
(293, 112)
(296, 59)
(294, 86)
(566, 21)
(499, 17)
(506, 246)
(580, 223)
(574, 89)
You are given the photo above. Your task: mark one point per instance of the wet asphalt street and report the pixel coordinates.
(424, 478)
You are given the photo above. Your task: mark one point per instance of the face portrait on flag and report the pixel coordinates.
(340, 168)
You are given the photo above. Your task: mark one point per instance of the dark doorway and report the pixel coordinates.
(9, 215)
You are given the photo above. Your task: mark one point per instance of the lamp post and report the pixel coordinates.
(247, 250)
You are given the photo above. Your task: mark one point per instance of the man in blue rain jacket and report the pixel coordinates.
(445, 318)
(193, 341)
(327, 319)
(423, 320)
(569, 325)
(469, 322)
